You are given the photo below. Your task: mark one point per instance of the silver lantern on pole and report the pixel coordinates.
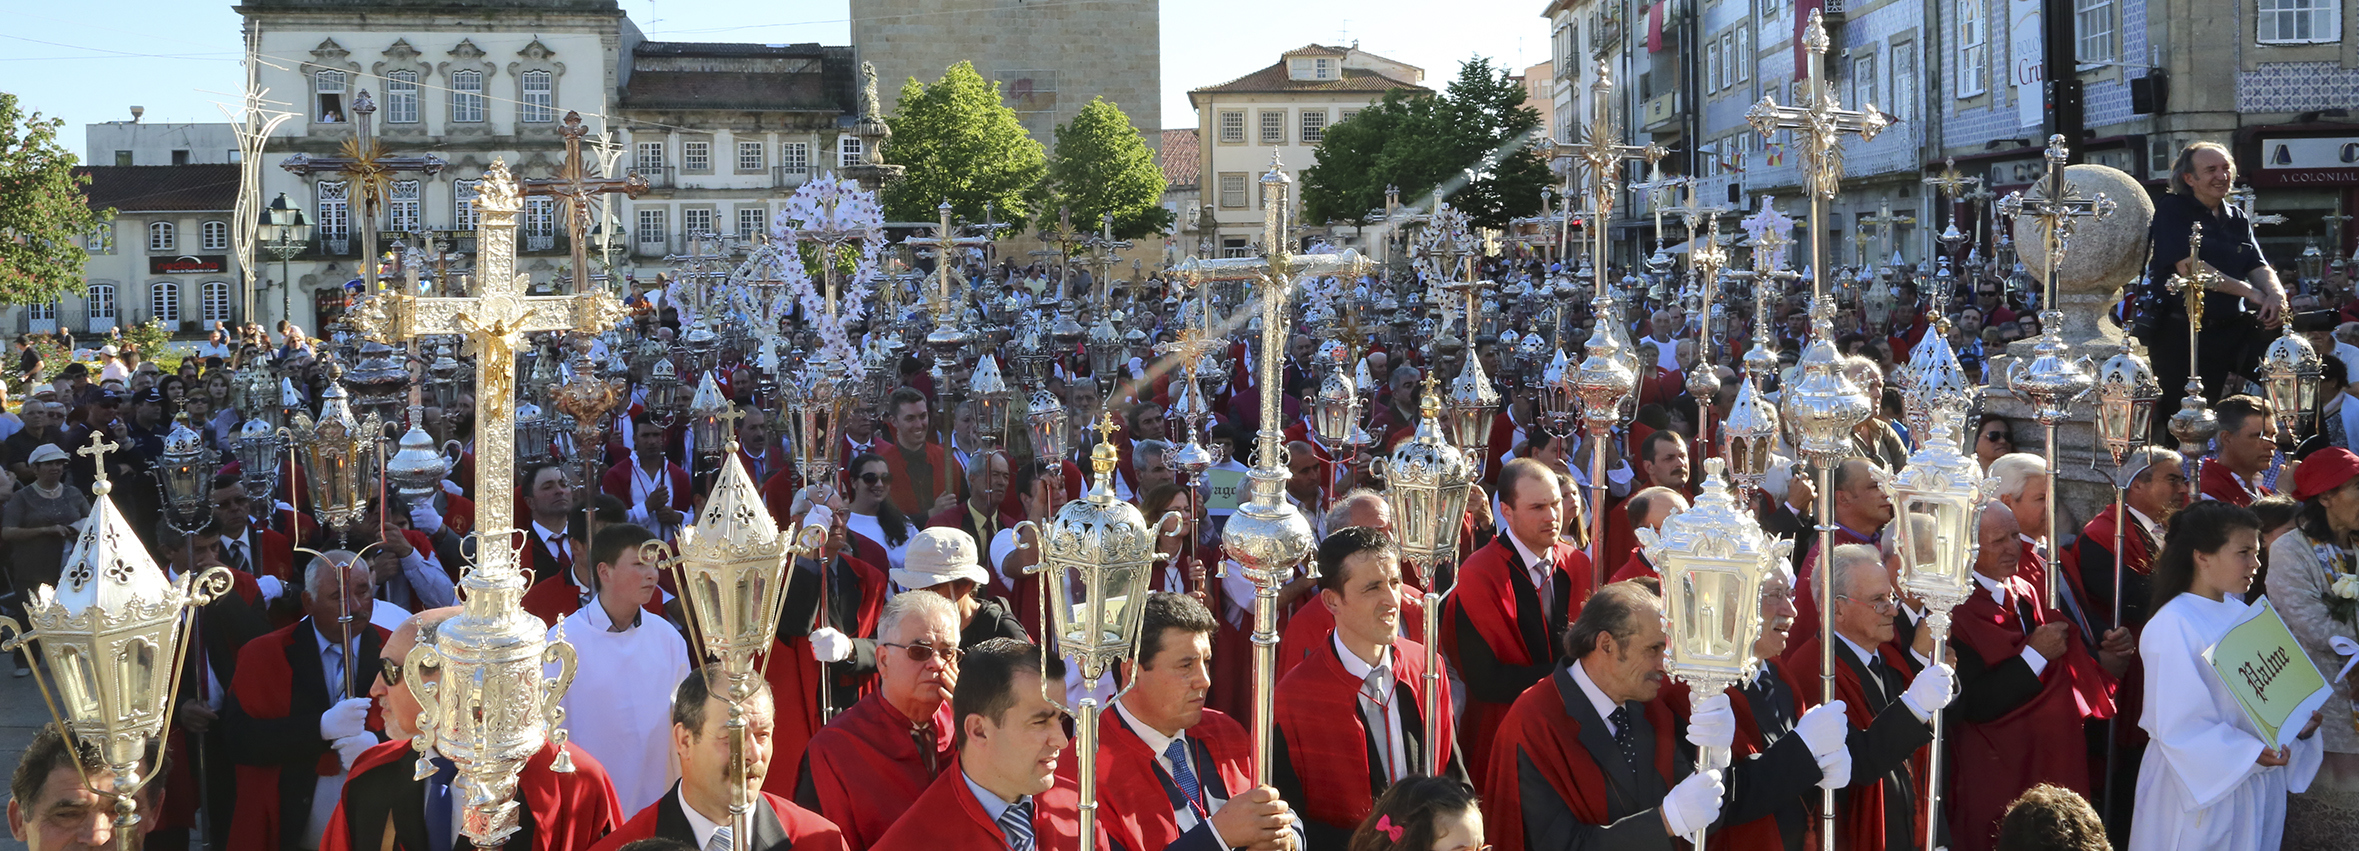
(1427, 483)
(339, 457)
(2290, 371)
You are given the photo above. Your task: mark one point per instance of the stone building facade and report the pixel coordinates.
(1050, 59)
(1281, 111)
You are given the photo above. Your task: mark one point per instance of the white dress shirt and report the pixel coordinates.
(705, 827)
(1159, 743)
(1998, 592)
(1604, 705)
(1541, 570)
(1386, 717)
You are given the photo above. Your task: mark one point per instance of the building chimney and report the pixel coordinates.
(136, 112)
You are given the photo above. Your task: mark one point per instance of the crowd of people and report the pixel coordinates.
(907, 703)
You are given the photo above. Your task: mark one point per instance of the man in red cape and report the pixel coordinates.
(2155, 488)
(855, 597)
(2233, 475)
(2026, 684)
(701, 742)
(1357, 737)
(926, 477)
(864, 768)
(1862, 508)
(1890, 712)
(1307, 630)
(293, 724)
(1010, 744)
(1771, 726)
(1590, 757)
(1646, 509)
(1172, 774)
(1496, 631)
(384, 805)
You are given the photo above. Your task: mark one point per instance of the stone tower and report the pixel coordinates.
(1049, 58)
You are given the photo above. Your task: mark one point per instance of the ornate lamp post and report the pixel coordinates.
(991, 395)
(338, 454)
(114, 634)
(2194, 424)
(2126, 393)
(2289, 376)
(1098, 553)
(1713, 558)
(1426, 482)
(285, 234)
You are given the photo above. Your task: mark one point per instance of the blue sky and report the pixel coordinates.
(90, 61)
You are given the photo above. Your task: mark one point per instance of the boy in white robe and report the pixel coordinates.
(621, 648)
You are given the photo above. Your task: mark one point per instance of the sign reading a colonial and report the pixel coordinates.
(188, 264)
(2308, 161)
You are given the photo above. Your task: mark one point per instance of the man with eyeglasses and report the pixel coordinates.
(623, 643)
(1889, 697)
(386, 804)
(865, 768)
(1768, 713)
(2026, 682)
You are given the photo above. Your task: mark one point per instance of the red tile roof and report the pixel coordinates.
(1182, 165)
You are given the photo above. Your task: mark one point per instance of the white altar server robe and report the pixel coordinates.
(2199, 788)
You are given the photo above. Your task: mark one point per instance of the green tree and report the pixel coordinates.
(43, 212)
(1101, 166)
(960, 143)
(1473, 140)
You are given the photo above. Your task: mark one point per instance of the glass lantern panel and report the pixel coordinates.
(753, 589)
(142, 675)
(1937, 565)
(1414, 517)
(2113, 419)
(712, 618)
(76, 679)
(1711, 611)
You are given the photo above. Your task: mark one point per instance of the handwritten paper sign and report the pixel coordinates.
(2273, 680)
(1226, 487)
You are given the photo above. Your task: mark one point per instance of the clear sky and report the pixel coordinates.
(90, 61)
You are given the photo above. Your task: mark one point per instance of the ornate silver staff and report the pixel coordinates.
(1426, 482)
(2195, 424)
(2051, 384)
(1713, 558)
(2126, 393)
(1605, 376)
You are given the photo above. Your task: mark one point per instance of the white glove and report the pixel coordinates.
(272, 588)
(830, 645)
(349, 717)
(1934, 688)
(1834, 769)
(424, 518)
(350, 747)
(1713, 723)
(820, 516)
(1824, 729)
(1693, 804)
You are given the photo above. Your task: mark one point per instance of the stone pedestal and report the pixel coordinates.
(2103, 256)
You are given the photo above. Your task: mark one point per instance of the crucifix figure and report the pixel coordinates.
(1104, 252)
(1819, 127)
(1603, 156)
(576, 188)
(1064, 237)
(364, 162)
(1952, 184)
(1884, 223)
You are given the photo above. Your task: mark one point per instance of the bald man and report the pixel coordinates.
(1647, 509)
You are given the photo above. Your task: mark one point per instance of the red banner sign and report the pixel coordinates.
(188, 264)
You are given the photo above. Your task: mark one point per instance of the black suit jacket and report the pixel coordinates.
(1634, 797)
(1781, 780)
(1289, 782)
(671, 822)
(393, 793)
(1491, 681)
(1882, 750)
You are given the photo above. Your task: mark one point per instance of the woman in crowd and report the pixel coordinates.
(38, 524)
(2304, 568)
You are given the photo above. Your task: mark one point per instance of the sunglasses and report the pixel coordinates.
(926, 652)
(1998, 436)
(876, 478)
(390, 670)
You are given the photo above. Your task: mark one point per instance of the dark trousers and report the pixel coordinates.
(2230, 346)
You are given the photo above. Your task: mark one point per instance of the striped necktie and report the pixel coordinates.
(1016, 823)
(720, 840)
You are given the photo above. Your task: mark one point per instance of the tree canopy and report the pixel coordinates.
(43, 211)
(1473, 140)
(1101, 166)
(960, 143)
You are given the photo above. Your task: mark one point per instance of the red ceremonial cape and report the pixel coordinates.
(1806, 597)
(1317, 711)
(865, 769)
(948, 478)
(948, 818)
(569, 811)
(794, 680)
(264, 690)
(1859, 811)
(1486, 595)
(617, 482)
(2137, 551)
(1132, 806)
(2220, 484)
(2041, 741)
(806, 829)
(1537, 724)
(1635, 567)
(1306, 632)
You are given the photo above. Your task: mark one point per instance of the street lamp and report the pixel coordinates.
(284, 234)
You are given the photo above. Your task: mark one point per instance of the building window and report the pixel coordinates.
(467, 96)
(649, 155)
(214, 236)
(696, 222)
(1273, 127)
(327, 88)
(651, 230)
(160, 237)
(101, 239)
(750, 221)
(1232, 126)
(540, 97)
(463, 216)
(1712, 66)
(1744, 52)
(1345, 115)
(540, 223)
(401, 97)
(1566, 45)
(335, 214)
(401, 207)
(1314, 126)
(749, 156)
(847, 151)
(1904, 81)
(1232, 191)
(123, 158)
(214, 296)
(2300, 21)
(100, 298)
(1974, 48)
(163, 302)
(2093, 21)
(795, 157)
(1863, 79)
(696, 156)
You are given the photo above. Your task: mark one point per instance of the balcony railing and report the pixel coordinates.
(789, 177)
(658, 176)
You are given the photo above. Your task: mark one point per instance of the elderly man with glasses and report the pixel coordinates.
(864, 769)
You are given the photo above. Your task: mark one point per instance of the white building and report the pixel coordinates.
(1282, 109)
(135, 142)
(166, 255)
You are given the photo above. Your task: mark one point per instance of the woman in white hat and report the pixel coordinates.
(942, 560)
(38, 525)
